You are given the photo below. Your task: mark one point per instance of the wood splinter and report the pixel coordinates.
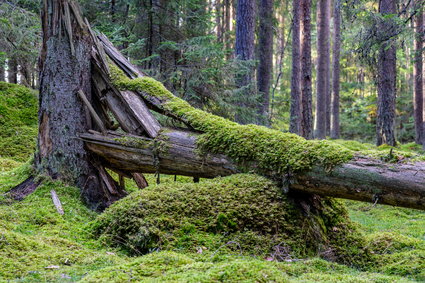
(57, 202)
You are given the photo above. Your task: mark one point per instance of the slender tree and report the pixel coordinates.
(295, 115)
(418, 75)
(323, 46)
(244, 50)
(2, 72)
(12, 72)
(386, 77)
(335, 131)
(306, 77)
(265, 50)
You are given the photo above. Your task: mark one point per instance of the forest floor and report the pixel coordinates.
(39, 245)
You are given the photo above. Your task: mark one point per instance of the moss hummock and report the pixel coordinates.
(274, 152)
(242, 213)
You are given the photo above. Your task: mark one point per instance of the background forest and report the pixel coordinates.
(243, 68)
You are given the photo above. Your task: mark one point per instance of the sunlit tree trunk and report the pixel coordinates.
(418, 77)
(335, 131)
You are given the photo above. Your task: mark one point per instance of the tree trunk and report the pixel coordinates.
(306, 77)
(335, 131)
(244, 51)
(361, 179)
(418, 76)
(2, 72)
(323, 46)
(62, 116)
(386, 78)
(295, 115)
(12, 71)
(265, 67)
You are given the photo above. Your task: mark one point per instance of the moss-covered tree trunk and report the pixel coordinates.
(65, 69)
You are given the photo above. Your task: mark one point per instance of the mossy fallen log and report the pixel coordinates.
(175, 152)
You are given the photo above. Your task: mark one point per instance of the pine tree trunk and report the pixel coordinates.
(323, 46)
(13, 71)
(265, 67)
(66, 69)
(295, 115)
(335, 131)
(386, 79)
(244, 51)
(306, 77)
(418, 77)
(2, 72)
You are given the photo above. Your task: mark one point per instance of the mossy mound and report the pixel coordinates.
(18, 121)
(174, 267)
(243, 213)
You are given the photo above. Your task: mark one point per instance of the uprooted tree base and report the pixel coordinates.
(89, 90)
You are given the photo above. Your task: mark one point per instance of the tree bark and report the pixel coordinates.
(12, 71)
(265, 67)
(362, 179)
(386, 78)
(244, 51)
(2, 72)
(306, 77)
(295, 115)
(335, 131)
(62, 115)
(323, 46)
(418, 76)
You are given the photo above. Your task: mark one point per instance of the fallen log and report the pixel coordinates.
(362, 179)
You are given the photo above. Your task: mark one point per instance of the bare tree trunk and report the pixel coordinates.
(2, 72)
(12, 76)
(418, 75)
(306, 77)
(219, 20)
(335, 131)
(386, 79)
(295, 115)
(66, 69)
(265, 67)
(323, 46)
(244, 50)
(227, 28)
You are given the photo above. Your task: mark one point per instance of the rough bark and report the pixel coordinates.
(62, 115)
(323, 46)
(244, 51)
(335, 131)
(385, 122)
(12, 71)
(306, 77)
(295, 114)
(418, 77)
(362, 179)
(265, 48)
(2, 72)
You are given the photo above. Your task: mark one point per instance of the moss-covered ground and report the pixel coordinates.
(39, 245)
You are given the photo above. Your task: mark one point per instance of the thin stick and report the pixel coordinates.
(93, 113)
(57, 202)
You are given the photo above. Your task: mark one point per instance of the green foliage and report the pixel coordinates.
(273, 151)
(18, 121)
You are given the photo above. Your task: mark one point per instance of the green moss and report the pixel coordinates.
(248, 211)
(18, 121)
(271, 150)
(174, 267)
